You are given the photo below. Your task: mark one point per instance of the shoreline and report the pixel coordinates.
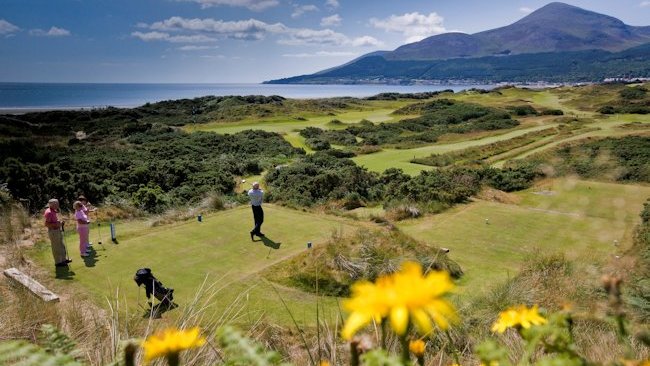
(24, 110)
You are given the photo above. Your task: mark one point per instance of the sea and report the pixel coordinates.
(17, 97)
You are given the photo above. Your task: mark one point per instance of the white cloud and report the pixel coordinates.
(526, 10)
(302, 9)
(161, 36)
(220, 57)
(312, 36)
(321, 54)
(178, 29)
(52, 32)
(645, 4)
(256, 5)
(299, 37)
(414, 26)
(197, 48)
(251, 29)
(7, 28)
(365, 41)
(331, 21)
(332, 4)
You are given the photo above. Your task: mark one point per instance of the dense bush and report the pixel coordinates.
(514, 178)
(523, 110)
(183, 166)
(635, 92)
(321, 177)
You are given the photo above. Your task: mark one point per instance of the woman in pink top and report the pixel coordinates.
(82, 227)
(87, 208)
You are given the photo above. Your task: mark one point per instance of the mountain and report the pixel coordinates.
(556, 28)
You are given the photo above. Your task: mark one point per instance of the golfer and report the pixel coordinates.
(82, 227)
(87, 208)
(256, 195)
(54, 227)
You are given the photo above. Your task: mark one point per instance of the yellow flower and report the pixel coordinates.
(518, 316)
(417, 347)
(171, 341)
(492, 363)
(324, 363)
(402, 297)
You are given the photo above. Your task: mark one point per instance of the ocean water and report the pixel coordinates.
(35, 96)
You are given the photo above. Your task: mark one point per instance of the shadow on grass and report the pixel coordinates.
(91, 259)
(156, 311)
(64, 273)
(270, 243)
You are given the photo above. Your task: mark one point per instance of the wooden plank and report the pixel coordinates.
(31, 284)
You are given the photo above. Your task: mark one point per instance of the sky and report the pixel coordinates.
(235, 41)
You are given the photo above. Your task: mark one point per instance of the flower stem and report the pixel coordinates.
(421, 360)
(173, 359)
(354, 353)
(406, 356)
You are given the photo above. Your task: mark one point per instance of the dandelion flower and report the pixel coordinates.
(171, 342)
(417, 347)
(518, 316)
(403, 297)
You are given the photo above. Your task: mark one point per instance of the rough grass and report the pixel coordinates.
(332, 268)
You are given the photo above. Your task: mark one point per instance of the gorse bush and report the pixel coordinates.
(150, 168)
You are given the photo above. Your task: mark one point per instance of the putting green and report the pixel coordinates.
(218, 250)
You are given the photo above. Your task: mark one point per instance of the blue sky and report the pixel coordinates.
(212, 41)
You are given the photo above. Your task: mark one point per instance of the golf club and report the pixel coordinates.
(99, 232)
(67, 257)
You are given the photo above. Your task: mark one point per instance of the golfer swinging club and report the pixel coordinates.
(256, 195)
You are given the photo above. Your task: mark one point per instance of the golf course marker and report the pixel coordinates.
(31, 284)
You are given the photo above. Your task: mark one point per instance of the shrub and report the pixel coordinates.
(635, 92)
(150, 198)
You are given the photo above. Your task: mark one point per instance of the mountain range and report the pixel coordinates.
(569, 44)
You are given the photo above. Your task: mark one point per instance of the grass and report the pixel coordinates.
(379, 113)
(602, 127)
(579, 218)
(400, 158)
(181, 255)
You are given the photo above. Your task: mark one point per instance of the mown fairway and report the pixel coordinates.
(579, 218)
(183, 255)
(400, 158)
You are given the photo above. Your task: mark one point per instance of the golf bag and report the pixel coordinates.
(165, 295)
